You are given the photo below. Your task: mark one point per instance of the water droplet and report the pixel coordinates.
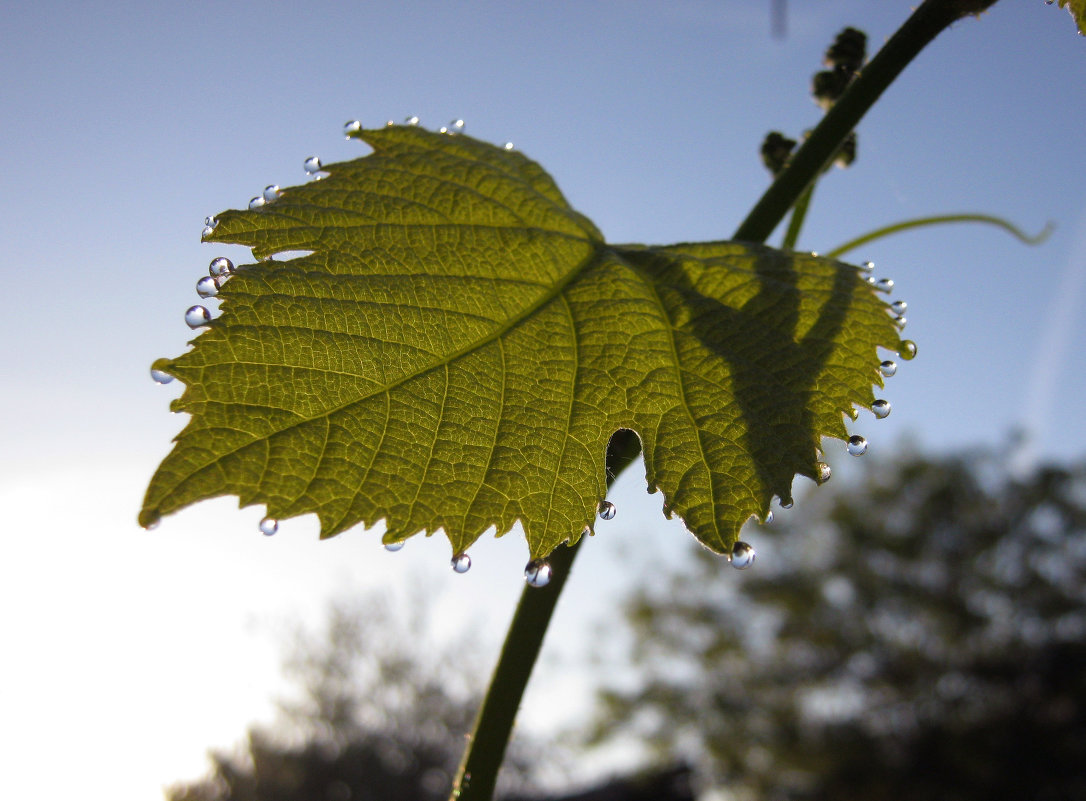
(412, 120)
(220, 267)
(742, 555)
(272, 193)
(900, 321)
(768, 518)
(823, 472)
(454, 127)
(207, 287)
(785, 503)
(538, 573)
(461, 563)
(908, 349)
(508, 145)
(857, 445)
(867, 266)
(160, 376)
(884, 284)
(208, 231)
(870, 279)
(607, 510)
(352, 127)
(588, 532)
(881, 408)
(197, 316)
(392, 547)
(210, 221)
(269, 526)
(899, 307)
(153, 525)
(312, 165)
(210, 224)
(389, 123)
(888, 368)
(256, 203)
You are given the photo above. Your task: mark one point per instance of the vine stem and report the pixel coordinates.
(478, 772)
(931, 18)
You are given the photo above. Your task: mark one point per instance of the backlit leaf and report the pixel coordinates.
(458, 345)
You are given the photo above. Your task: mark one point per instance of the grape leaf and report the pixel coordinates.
(1077, 9)
(457, 346)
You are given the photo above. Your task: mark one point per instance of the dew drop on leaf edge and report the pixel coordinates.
(607, 510)
(888, 368)
(351, 127)
(768, 518)
(461, 563)
(884, 284)
(268, 526)
(742, 555)
(256, 203)
(207, 287)
(823, 472)
(412, 120)
(272, 193)
(312, 165)
(899, 307)
(220, 267)
(857, 445)
(392, 547)
(197, 316)
(881, 408)
(538, 573)
(908, 350)
(160, 376)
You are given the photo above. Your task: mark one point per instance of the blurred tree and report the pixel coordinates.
(381, 716)
(919, 636)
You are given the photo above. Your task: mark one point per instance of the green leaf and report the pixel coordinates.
(1077, 9)
(459, 345)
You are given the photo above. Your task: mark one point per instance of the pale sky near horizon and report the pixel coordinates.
(127, 653)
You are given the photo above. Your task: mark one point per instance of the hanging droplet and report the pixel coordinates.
(220, 267)
(888, 368)
(908, 349)
(272, 193)
(312, 165)
(785, 503)
(160, 376)
(857, 445)
(197, 316)
(884, 284)
(208, 231)
(153, 524)
(389, 123)
(508, 145)
(269, 526)
(823, 472)
(881, 408)
(538, 573)
(768, 518)
(870, 279)
(454, 127)
(588, 532)
(742, 555)
(412, 120)
(256, 203)
(207, 287)
(607, 510)
(352, 127)
(392, 547)
(899, 307)
(867, 266)
(900, 321)
(461, 563)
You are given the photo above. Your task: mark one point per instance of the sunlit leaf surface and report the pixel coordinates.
(459, 345)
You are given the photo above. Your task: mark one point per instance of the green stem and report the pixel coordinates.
(799, 214)
(478, 771)
(940, 219)
(931, 18)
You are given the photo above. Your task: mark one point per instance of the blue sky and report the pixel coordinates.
(126, 123)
